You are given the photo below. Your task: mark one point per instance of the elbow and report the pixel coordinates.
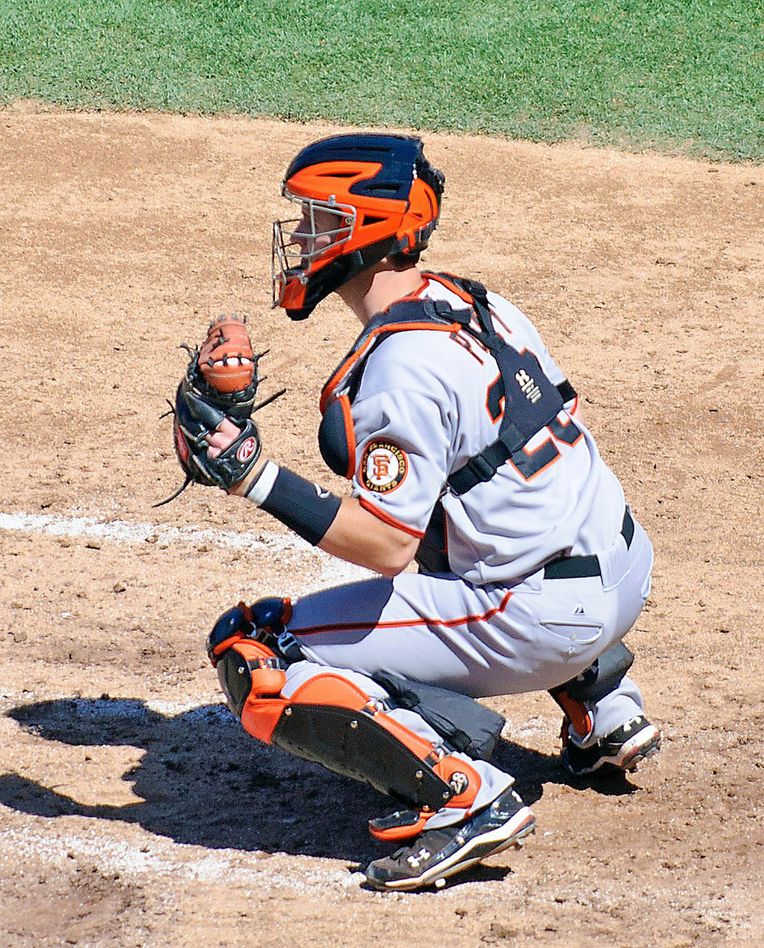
(392, 569)
(395, 559)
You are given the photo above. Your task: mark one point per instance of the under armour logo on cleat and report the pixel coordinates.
(419, 857)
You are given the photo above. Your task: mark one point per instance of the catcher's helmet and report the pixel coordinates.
(363, 198)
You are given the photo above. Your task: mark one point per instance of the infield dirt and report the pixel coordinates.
(134, 810)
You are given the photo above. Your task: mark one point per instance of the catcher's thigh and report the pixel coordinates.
(343, 720)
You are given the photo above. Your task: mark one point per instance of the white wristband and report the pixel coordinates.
(263, 485)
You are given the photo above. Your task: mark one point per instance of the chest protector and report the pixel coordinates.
(523, 396)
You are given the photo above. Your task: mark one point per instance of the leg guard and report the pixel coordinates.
(464, 724)
(599, 679)
(330, 719)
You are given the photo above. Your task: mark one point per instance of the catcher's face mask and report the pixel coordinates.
(363, 197)
(303, 244)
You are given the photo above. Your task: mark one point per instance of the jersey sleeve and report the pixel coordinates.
(403, 440)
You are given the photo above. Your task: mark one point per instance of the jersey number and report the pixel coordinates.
(530, 463)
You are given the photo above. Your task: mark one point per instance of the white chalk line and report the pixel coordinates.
(332, 571)
(121, 708)
(125, 531)
(161, 858)
(155, 855)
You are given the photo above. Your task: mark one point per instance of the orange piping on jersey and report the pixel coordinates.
(347, 420)
(388, 519)
(446, 623)
(342, 371)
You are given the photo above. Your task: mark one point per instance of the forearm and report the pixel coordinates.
(359, 537)
(341, 527)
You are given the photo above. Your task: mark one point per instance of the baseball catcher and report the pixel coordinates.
(466, 452)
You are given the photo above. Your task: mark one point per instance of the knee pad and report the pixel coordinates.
(264, 621)
(252, 677)
(234, 625)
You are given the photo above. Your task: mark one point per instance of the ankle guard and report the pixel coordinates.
(599, 679)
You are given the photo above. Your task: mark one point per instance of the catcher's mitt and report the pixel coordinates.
(220, 383)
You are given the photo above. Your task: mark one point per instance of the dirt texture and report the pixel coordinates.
(133, 809)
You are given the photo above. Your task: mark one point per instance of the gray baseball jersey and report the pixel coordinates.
(424, 407)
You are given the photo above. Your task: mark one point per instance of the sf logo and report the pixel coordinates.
(381, 467)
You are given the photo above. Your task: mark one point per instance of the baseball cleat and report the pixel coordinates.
(439, 853)
(624, 748)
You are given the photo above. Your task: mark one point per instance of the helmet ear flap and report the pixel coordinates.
(420, 219)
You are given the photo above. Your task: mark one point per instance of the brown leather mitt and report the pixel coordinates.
(226, 360)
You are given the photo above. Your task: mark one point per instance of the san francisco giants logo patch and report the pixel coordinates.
(383, 467)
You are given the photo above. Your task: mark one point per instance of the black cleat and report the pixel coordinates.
(437, 854)
(623, 749)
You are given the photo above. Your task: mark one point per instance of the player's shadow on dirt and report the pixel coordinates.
(203, 781)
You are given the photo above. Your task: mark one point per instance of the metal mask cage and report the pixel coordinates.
(299, 242)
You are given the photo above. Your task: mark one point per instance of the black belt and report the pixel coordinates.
(574, 567)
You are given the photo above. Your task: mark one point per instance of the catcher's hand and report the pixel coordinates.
(217, 393)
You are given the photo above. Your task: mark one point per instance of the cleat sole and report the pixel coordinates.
(631, 753)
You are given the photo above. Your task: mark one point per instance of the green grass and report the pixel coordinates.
(673, 75)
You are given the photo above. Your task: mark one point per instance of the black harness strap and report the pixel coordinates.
(530, 400)
(407, 311)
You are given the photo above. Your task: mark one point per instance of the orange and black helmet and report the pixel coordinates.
(363, 197)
